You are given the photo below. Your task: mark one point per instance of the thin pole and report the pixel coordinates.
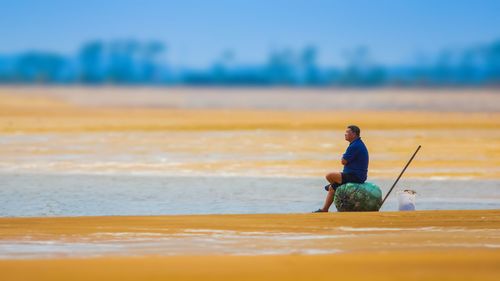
(404, 169)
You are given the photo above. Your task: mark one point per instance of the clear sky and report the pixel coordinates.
(197, 32)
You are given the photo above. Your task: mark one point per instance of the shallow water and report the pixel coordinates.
(221, 172)
(97, 195)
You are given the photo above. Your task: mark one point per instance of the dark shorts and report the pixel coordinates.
(346, 177)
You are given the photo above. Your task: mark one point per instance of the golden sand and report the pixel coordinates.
(47, 114)
(461, 145)
(430, 245)
(415, 265)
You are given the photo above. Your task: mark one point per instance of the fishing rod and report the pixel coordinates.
(404, 169)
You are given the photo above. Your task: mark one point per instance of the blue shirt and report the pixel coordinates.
(356, 156)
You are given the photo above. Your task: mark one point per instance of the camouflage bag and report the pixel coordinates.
(358, 197)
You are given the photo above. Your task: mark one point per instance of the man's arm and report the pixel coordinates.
(349, 155)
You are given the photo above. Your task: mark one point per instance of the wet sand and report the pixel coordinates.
(430, 245)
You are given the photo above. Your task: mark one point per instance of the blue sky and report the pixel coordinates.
(197, 32)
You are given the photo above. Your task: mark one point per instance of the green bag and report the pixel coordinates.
(358, 197)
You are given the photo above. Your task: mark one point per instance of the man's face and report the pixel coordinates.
(349, 135)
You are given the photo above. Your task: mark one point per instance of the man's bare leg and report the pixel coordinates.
(331, 178)
(329, 199)
(335, 177)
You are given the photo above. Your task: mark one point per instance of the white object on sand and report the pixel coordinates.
(406, 200)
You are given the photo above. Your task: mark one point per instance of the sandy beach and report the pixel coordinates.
(63, 135)
(425, 245)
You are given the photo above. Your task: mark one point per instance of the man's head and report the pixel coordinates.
(352, 132)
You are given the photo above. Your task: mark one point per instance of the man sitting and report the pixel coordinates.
(355, 161)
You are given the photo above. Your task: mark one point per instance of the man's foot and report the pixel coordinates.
(319, 211)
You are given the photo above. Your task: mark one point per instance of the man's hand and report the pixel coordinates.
(344, 162)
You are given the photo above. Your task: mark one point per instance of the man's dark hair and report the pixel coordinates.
(355, 129)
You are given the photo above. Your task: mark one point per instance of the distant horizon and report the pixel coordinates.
(196, 33)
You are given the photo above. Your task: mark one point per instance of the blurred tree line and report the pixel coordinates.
(131, 62)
